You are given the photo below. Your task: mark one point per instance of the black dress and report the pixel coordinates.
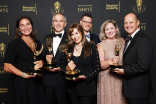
(23, 91)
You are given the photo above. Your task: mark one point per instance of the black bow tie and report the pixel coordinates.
(59, 35)
(128, 38)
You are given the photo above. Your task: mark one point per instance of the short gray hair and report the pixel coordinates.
(65, 19)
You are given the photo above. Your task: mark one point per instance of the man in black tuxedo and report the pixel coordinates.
(137, 61)
(86, 22)
(53, 79)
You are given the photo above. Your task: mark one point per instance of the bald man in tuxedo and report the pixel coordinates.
(137, 61)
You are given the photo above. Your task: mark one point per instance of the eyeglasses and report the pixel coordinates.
(87, 22)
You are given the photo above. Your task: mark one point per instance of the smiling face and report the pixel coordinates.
(25, 27)
(59, 23)
(86, 23)
(131, 23)
(76, 36)
(110, 31)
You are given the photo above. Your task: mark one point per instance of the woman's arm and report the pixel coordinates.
(95, 63)
(104, 64)
(11, 69)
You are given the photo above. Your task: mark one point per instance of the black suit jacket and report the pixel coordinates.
(54, 78)
(95, 38)
(89, 67)
(136, 64)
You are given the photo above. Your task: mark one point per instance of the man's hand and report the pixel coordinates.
(57, 69)
(49, 58)
(54, 70)
(119, 71)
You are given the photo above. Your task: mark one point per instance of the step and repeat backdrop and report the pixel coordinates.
(41, 11)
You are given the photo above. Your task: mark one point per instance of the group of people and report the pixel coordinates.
(92, 55)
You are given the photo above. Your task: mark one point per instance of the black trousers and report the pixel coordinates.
(75, 99)
(138, 101)
(55, 95)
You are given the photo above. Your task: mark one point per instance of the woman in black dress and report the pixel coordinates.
(86, 59)
(24, 88)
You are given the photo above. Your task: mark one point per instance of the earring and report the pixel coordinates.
(19, 32)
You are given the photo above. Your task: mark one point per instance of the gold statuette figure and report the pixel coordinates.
(35, 71)
(70, 74)
(49, 65)
(118, 46)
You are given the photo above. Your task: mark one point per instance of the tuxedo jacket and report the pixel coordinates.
(136, 64)
(56, 79)
(94, 38)
(89, 67)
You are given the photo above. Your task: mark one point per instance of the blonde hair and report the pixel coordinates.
(102, 34)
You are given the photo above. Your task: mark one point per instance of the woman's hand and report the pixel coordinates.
(29, 76)
(82, 77)
(115, 60)
(49, 58)
(71, 66)
(38, 64)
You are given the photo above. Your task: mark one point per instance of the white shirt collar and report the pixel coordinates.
(88, 33)
(60, 32)
(135, 33)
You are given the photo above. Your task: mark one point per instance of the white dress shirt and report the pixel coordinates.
(56, 42)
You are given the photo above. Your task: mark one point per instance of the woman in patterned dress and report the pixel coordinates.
(109, 84)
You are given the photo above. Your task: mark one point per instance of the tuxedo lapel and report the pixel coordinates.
(63, 41)
(133, 41)
(52, 44)
(91, 36)
(130, 46)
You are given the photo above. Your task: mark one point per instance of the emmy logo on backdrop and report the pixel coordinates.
(57, 8)
(139, 7)
(35, 71)
(118, 46)
(49, 65)
(70, 74)
(2, 49)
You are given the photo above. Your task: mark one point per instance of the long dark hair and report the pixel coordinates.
(85, 43)
(18, 34)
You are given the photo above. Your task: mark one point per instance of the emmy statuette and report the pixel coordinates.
(49, 65)
(35, 71)
(70, 74)
(118, 46)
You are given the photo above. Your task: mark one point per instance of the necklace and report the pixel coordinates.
(77, 48)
